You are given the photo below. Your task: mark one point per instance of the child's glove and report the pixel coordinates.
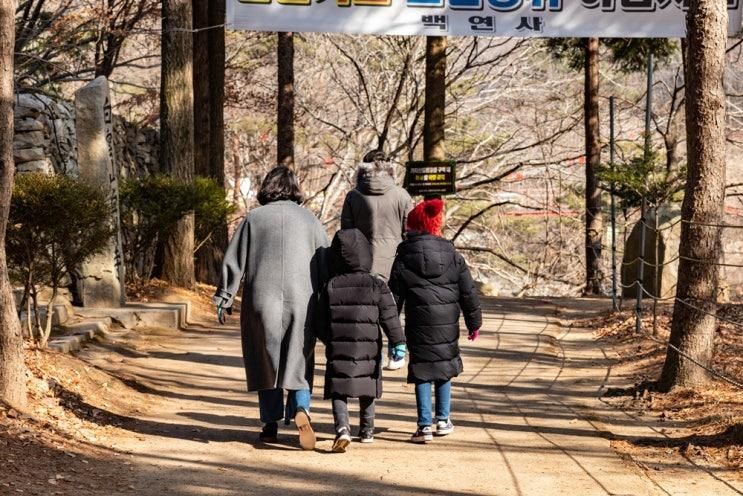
(399, 351)
(474, 335)
(221, 312)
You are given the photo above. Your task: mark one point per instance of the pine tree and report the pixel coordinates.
(12, 369)
(176, 131)
(629, 55)
(694, 322)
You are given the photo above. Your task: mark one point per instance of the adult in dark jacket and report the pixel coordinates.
(354, 305)
(431, 280)
(378, 208)
(277, 250)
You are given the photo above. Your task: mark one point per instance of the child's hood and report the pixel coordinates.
(427, 255)
(352, 252)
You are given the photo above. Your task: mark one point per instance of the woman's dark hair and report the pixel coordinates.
(279, 185)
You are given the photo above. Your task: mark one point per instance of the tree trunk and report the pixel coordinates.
(694, 322)
(12, 368)
(285, 128)
(201, 101)
(434, 123)
(594, 223)
(208, 81)
(177, 131)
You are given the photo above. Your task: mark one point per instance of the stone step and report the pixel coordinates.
(61, 314)
(134, 315)
(78, 334)
(98, 321)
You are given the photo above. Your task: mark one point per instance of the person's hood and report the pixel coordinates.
(375, 178)
(427, 255)
(352, 252)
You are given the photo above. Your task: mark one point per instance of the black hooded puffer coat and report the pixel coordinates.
(431, 279)
(353, 306)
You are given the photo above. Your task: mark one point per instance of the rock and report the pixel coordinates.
(102, 277)
(667, 240)
(29, 139)
(43, 166)
(29, 155)
(28, 124)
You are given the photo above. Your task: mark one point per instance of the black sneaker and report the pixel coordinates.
(270, 433)
(423, 435)
(366, 435)
(342, 440)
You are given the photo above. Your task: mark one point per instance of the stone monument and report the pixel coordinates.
(660, 252)
(101, 280)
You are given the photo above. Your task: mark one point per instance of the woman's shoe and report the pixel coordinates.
(270, 433)
(423, 435)
(307, 438)
(444, 427)
(342, 440)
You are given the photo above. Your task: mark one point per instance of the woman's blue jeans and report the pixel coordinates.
(423, 401)
(271, 404)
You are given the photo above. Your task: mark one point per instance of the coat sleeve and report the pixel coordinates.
(321, 320)
(389, 319)
(320, 261)
(406, 205)
(233, 266)
(469, 299)
(347, 220)
(396, 285)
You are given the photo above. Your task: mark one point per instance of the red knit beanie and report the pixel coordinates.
(427, 217)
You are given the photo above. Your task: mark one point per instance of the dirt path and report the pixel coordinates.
(524, 412)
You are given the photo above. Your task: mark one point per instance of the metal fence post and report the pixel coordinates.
(640, 283)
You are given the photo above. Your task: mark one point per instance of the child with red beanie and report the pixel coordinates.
(431, 280)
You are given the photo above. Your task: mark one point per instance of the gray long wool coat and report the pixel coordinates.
(278, 250)
(379, 209)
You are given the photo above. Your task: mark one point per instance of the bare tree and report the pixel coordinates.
(285, 113)
(12, 370)
(208, 84)
(694, 322)
(73, 40)
(434, 126)
(594, 223)
(176, 131)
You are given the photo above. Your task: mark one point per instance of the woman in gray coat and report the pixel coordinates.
(278, 252)
(378, 208)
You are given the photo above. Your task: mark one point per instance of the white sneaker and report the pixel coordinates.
(444, 427)
(423, 435)
(393, 364)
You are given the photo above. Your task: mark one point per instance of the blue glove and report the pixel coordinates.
(399, 351)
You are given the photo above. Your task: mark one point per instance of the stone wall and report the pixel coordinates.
(46, 141)
(44, 135)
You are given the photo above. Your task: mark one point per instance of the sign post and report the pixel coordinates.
(431, 178)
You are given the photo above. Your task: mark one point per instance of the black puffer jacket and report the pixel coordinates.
(433, 282)
(353, 306)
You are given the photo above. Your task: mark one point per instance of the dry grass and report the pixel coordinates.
(704, 425)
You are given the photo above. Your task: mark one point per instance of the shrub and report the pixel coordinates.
(152, 206)
(56, 223)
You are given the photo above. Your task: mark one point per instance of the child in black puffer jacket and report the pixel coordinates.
(353, 307)
(431, 280)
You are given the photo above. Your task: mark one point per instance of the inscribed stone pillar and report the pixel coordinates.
(101, 278)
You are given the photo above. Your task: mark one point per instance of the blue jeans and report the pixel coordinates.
(271, 404)
(423, 401)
